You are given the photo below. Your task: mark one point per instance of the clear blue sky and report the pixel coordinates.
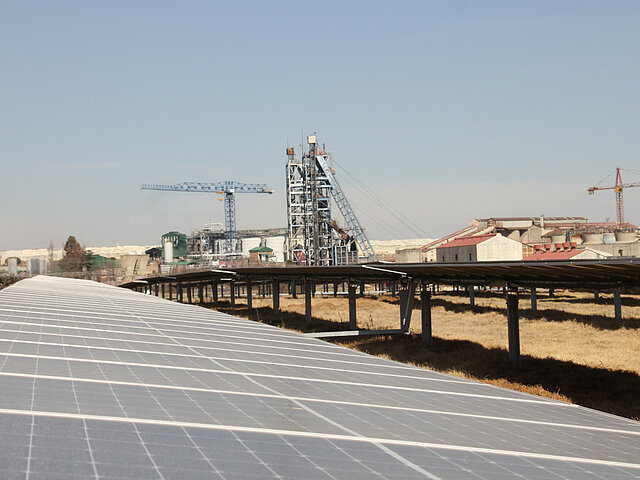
(448, 110)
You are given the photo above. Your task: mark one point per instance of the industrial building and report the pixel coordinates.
(480, 248)
(535, 235)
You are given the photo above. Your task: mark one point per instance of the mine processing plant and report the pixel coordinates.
(314, 237)
(229, 189)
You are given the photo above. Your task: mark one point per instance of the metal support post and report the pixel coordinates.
(596, 296)
(275, 289)
(353, 324)
(406, 305)
(550, 292)
(307, 300)
(425, 306)
(472, 295)
(361, 289)
(292, 289)
(232, 293)
(335, 289)
(534, 300)
(180, 292)
(201, 292)
(157, 289)
(249, 294)
(513, 325)
(214, 291)
(617, 305)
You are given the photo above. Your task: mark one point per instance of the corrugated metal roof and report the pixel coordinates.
(555, 255)
(468, 241)
(444, 239)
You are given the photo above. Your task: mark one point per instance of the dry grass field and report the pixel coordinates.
(572, 348)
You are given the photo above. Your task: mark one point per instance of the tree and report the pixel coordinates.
(72, 260)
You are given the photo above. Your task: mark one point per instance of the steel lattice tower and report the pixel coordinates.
(311, 184)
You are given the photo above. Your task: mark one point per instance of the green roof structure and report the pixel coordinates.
(261, 250)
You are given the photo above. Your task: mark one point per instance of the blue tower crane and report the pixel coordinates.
(229, 188)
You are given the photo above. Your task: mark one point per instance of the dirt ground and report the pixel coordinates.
(572, 348)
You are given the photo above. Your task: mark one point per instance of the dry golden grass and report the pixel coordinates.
(572, 348)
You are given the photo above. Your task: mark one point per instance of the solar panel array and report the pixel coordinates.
(101, 382)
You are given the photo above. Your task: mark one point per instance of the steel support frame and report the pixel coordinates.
(513, 324)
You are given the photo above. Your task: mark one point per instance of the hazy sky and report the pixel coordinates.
(446, 110)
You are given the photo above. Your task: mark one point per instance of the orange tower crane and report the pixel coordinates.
(618, 187)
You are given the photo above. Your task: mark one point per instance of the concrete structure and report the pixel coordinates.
(480, 248)
(409, 255)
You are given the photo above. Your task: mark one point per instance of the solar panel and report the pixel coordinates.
(97, 381)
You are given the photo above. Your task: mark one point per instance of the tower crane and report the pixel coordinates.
(229, 188)
(618, 187)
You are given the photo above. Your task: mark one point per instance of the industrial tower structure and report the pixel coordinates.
(313, 236)
(618, 188)
(229, 189)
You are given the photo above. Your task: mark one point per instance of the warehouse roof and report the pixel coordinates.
(468, 241)
(555, 255)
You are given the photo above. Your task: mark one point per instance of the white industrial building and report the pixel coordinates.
(479, 248)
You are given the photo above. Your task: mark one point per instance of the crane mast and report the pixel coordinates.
(618, 187)
(227, 188)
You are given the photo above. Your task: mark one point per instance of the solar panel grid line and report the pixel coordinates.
(41, 360)
(77, 379)
(451, 453)
(17, 340)
(175, 343)
(342, 437)
(329, 347)
(252, 374)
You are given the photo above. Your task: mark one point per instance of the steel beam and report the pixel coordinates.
(308, 288)
(232, 293)
(513, 325)
(275, 292)
(406, 305)
(352, 307)
(617, 305)
(249, 294)
(425, 307)
(534, 300)
(472, 295)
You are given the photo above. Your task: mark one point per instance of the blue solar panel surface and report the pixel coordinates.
(101, 382)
